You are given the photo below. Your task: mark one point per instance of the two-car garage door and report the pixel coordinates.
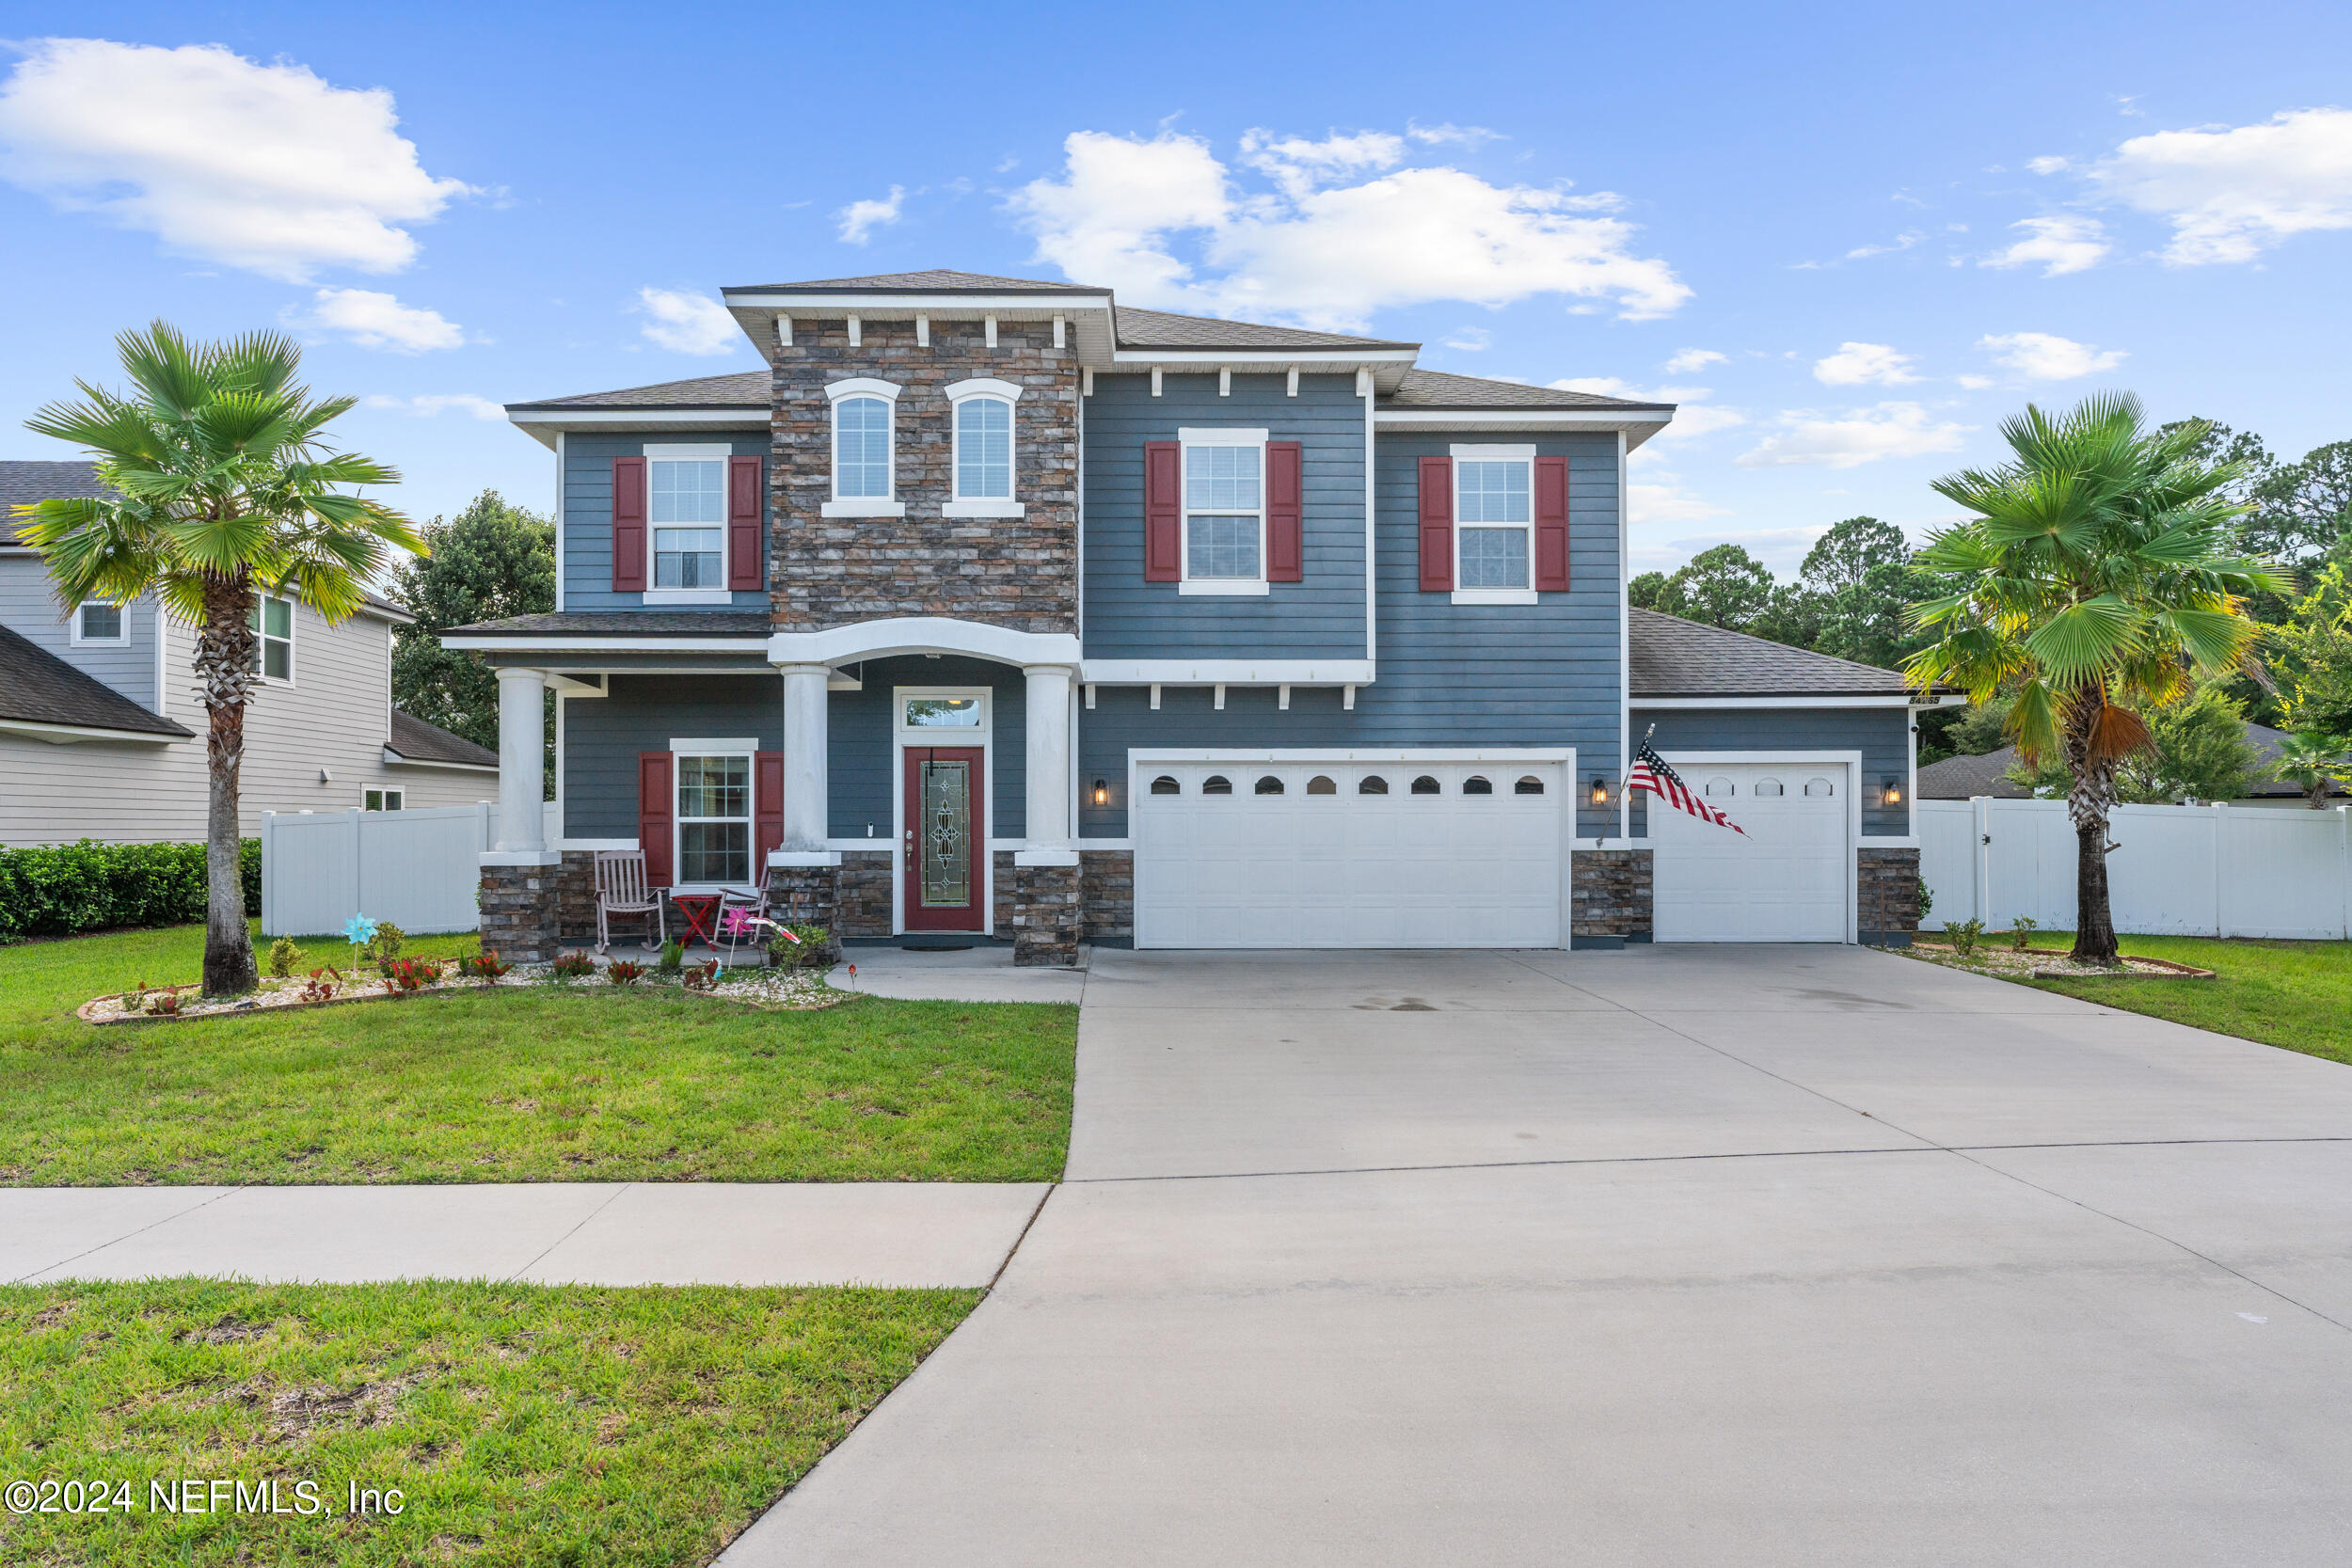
(1785, 877)
(1348, 854)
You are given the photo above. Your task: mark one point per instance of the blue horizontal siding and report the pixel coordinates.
(1882, 734)
(588, 515)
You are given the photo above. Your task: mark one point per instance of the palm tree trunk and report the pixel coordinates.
(2088, 800)
(224, 667)
(2094, 923)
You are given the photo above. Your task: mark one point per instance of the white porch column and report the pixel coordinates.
(522, 761)
(1048, 755)
(805, 785)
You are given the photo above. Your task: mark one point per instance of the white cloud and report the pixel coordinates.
(2043, 356)
(1864, 365)
(2058, 244)
(1662, 498)
(1974, 383)
(1862, 435)
(430, 403)
(859, 219)
(1903, 240)
(687, 323)
(2051, 164)
(264, 167)
(1694, 416)
(1458, 135)
(2232, 193)
(1692, 359)
(374, 320)
(1470, 339)
(1167, 224)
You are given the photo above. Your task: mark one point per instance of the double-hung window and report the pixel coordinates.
(686, 496)
(273, 638)
(383, 799)
(1494, 524)
(865, 481)
(714, 820)
(97, 624)
(1224, 491)
(982, 414)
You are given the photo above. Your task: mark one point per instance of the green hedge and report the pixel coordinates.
(66, 888)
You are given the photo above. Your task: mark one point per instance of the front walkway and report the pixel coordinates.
(1804, 1256)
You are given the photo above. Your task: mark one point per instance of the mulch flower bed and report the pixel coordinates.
(793, 989)
(2043, 963)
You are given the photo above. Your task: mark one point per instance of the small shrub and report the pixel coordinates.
(1965, 936)
(1927, 901)
(285, 957)
(803, 947)
(622, 971)
(484, 966)
(573, 966)
(323, 985)
(673, 958)
(701, 976)
(166, 1004)
(403, 976)
(388, 941)
(2021, 932)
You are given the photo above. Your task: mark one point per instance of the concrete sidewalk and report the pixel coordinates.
(982, 972)
(592, 1233)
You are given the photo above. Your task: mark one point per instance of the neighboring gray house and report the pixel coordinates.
(991, 606)
(101, 735)
(1965, 777)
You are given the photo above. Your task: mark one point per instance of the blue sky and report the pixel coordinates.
(1852, 238)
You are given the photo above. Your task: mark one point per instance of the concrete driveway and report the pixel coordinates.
(1702, 1256)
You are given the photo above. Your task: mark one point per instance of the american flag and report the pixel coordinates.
(1650, 773)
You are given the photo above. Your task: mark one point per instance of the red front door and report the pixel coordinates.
(946, 835)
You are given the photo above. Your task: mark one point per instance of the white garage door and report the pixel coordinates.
(1332, 854)
(1787, 879)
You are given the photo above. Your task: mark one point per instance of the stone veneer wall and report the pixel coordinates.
(1106, 894)
(575, 897)
(862, 894)
(519, 913)
(1000, 886)
(1887, 897)
(1610, 897)
(1045, 921)
(803, 896)
(1018, 572)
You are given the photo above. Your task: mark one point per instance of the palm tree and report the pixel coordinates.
(2096, 569)
(223, 489)
(2314, 762)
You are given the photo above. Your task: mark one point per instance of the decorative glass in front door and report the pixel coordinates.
(946, 880)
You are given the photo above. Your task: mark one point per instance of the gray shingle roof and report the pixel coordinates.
(1674, 657)
(419, 741)
(625, 622)
(25, 482)
(1164, 329)
(1437, 390)
(746, 390)
(940, 280)
(38, 687)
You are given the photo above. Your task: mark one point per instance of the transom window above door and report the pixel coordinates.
(1224, 478)
(943, 713)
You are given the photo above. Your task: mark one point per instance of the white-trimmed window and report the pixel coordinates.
(383, 799)
(982, 414)
(97, 624)
(714, 816)
(685, 518)
(865, 443)
(1494, 524)
(273, 640)
(1224, 480)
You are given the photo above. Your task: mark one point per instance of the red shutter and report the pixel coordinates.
(767, 810)
(1551, 524)
(1436, 525)
(655, 800)
(629, 525)
(1163, 511)
(743, 488)
(1285, 548)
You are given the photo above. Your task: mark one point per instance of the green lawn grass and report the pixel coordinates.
(514, 1085)
(2295, 994)
(521, 1424)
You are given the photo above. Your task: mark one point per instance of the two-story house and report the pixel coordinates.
(101, 735)
(991, 606)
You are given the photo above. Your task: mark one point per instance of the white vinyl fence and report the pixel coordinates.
(419, 869)
(2202, 871)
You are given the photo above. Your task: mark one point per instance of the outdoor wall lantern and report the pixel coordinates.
(1600, 790)
(1102, 793)
(1894, 791)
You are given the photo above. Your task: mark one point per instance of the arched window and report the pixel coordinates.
(984, 461)
(1425, 785)
(1321, 784)
(1474, 785)
(1217, 784)
(1269, 785)
(1819, 788)
(1372, 784)
(860, 448)
(1721, 786)
(1529, 784)
(1164, 785)
(1766, 789)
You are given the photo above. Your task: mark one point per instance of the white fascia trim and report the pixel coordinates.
(694, 745)
(611, 846)
(68, 735)
(1594, 418)
(923, 634)
(1346, 753)
(1213, 357)
(687, 595)
(723, 416)
(1222, 435)
(863, 507)
(1641, 701)
(1228, 671)
(608, 645)
(1216, 588)
(988, 508)
(862, 386)
(983, 387)
(938, 307)
(393, 759)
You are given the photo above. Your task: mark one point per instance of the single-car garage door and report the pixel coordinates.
(1786, 878)
(1348, 854)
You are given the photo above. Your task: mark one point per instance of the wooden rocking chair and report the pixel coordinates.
(621, 890)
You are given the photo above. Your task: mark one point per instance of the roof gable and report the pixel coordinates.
(942, 280)
(38, 687)
(1669, 657)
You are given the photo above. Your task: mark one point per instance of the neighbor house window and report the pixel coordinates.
(384, 800)
(714, 820)
(273, 640)
(1224, 511)
(99, 622)
(1493, 523)
(687, 504)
